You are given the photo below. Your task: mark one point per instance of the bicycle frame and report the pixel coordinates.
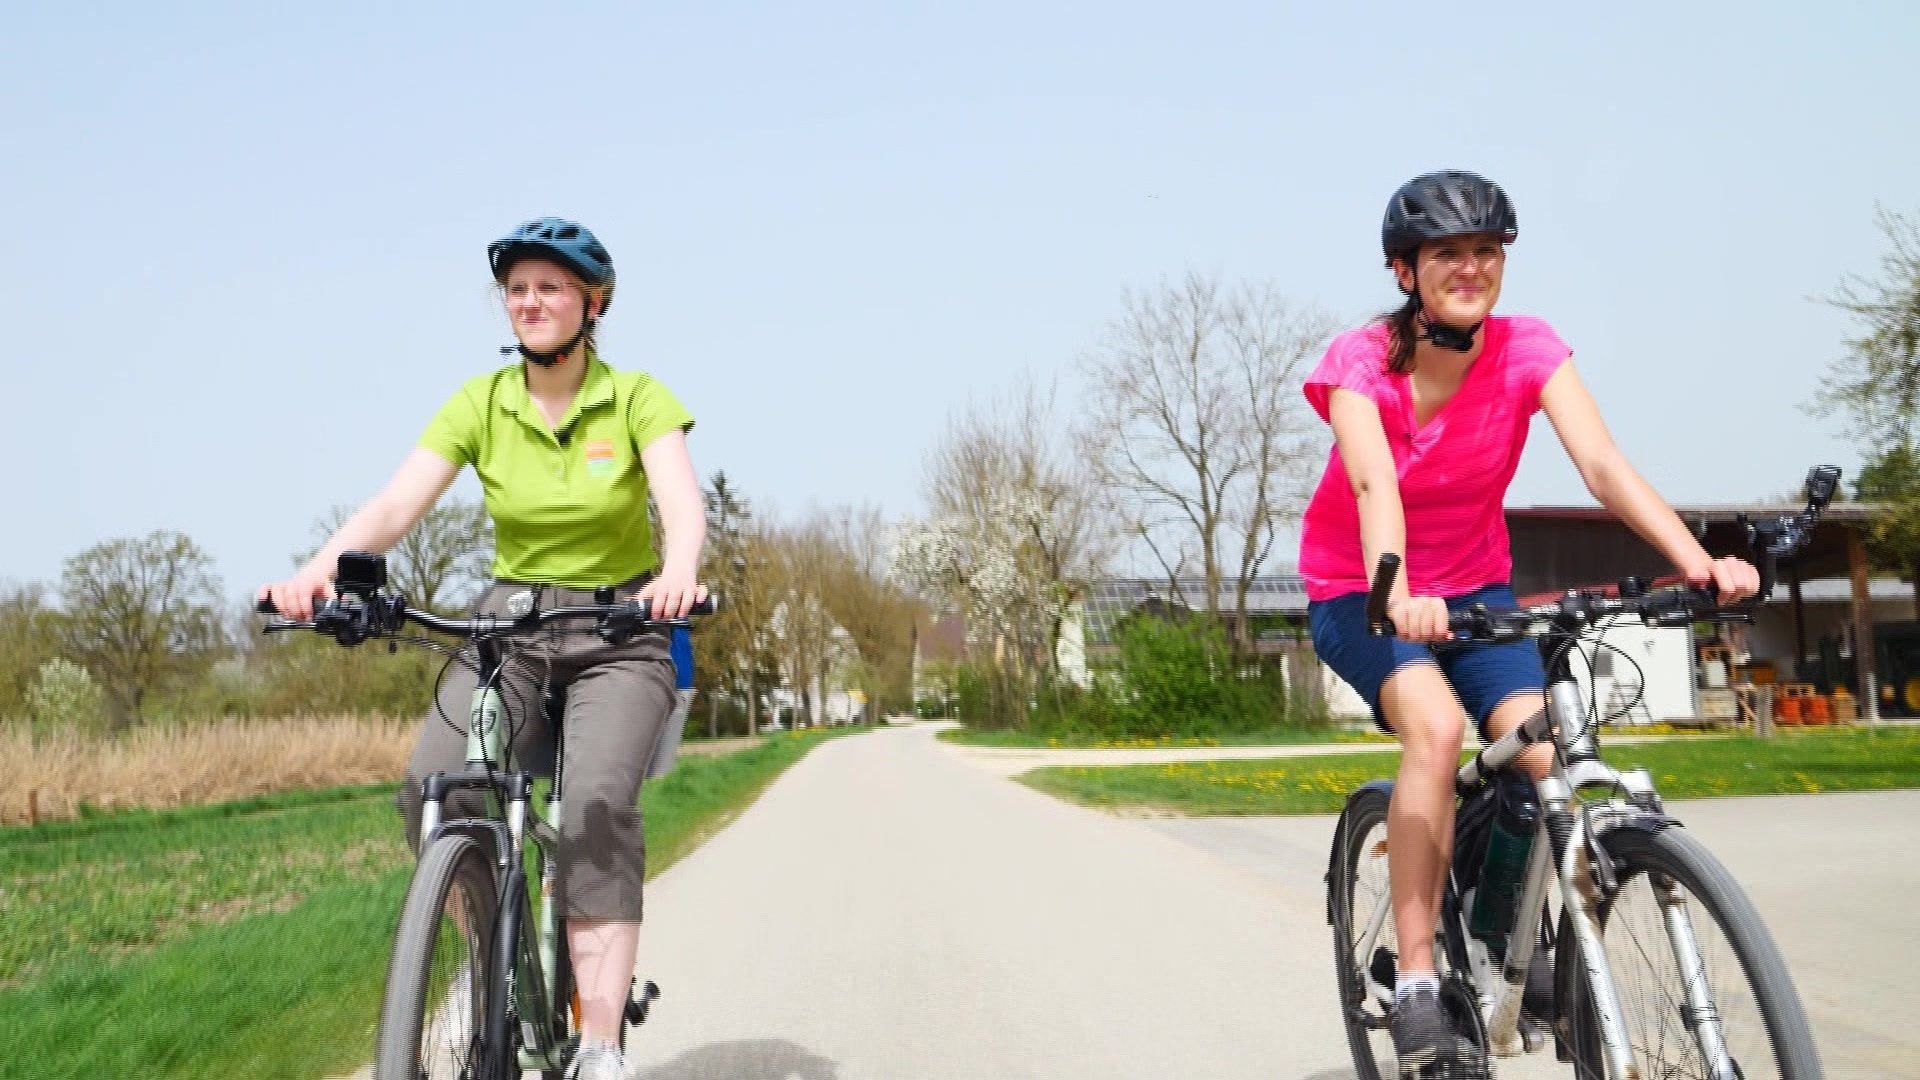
(1569, 829)
(533, 974)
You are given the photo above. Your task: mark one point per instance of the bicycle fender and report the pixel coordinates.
(492, 836)
(1647, 821)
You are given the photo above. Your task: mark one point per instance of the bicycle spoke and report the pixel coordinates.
(1659, 1018)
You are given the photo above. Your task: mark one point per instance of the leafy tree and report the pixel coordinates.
(1875, 387)
(141, 616)
(1891, 478)
(731, 658)
(27, 640)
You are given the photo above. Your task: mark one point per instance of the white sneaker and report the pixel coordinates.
(598, 1061)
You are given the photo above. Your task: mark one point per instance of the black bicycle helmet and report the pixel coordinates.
(1442, 204)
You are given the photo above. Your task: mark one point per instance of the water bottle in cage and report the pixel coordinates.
(1510, 835)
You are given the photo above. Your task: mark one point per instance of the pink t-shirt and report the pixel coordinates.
(1453, 470)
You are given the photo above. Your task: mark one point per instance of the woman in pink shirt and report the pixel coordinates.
(1429, 407)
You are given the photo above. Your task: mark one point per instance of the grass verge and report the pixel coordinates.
(248, 939)
(1292, 735)
(1847, 760)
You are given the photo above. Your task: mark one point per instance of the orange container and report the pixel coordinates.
(1786, 710)
(1815, 711)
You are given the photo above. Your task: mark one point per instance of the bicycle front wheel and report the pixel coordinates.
(433, 1017)
(1700, 981)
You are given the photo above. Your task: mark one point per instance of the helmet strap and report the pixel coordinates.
(553, 356)
(1442, 335)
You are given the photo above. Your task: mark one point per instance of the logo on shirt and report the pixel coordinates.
(599, 454)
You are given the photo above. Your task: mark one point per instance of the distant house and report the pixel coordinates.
(1807, 633)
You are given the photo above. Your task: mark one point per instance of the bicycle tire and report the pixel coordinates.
(1761, 1015)
(453, 876)
(1359, 840)
(515, 961)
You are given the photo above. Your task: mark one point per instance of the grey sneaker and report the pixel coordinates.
(1424, 1039)
(598, 1061)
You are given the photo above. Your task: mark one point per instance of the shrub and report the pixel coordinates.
(64, 697)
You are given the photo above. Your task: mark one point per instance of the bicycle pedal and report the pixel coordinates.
(639, 1005)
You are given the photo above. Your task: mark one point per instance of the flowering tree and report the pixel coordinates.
(992, 568)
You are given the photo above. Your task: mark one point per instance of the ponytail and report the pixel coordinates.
(1403, 333)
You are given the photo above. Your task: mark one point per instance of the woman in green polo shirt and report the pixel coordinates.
(567, 450)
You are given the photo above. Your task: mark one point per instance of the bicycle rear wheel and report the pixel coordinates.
(1671, 887)
(433, 1016)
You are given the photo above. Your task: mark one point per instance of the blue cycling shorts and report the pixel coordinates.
(1482, 676)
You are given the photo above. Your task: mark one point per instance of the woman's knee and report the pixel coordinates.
(1433, 738)
(1424, 714)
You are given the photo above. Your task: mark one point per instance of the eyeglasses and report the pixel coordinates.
(545, 290)
(1484, 255)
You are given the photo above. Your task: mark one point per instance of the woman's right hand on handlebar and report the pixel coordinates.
(1420, 618)
(295, 596)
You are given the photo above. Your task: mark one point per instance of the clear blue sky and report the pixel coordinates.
(244, 242)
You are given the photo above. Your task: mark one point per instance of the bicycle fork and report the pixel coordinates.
(1703, 1017)
(1580, 912)
(1580, 888)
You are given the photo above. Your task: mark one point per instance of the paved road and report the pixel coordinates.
(889, 911)
(892, 909)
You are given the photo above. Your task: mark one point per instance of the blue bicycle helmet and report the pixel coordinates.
(569, 243)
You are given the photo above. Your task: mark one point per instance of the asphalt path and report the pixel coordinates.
(889, 910)
(895, 907)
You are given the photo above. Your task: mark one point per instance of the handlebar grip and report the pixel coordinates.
(705, 607)
(264, 606)
(1383, 575)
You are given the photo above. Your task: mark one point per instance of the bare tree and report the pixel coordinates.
(441, 564)
(877, 615)
(803, 627)
(140, 615)
(1196, 428)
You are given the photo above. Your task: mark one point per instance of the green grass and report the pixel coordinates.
(1289, 735)
(1682, 769)
(248, 939)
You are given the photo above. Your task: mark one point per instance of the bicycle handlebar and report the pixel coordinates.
(1768, 541)
(362, 611)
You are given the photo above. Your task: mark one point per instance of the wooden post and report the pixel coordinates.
(1867, 683)
(33, 806)
(1763, 710)
(1799, 622)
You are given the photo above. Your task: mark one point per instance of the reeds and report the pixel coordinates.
(49, 777)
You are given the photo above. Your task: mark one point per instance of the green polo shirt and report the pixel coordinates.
(570, 512)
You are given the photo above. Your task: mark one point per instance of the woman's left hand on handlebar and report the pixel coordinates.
(672, 594)
(1732, 579)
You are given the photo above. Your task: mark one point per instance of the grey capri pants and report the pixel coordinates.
(619, 698)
